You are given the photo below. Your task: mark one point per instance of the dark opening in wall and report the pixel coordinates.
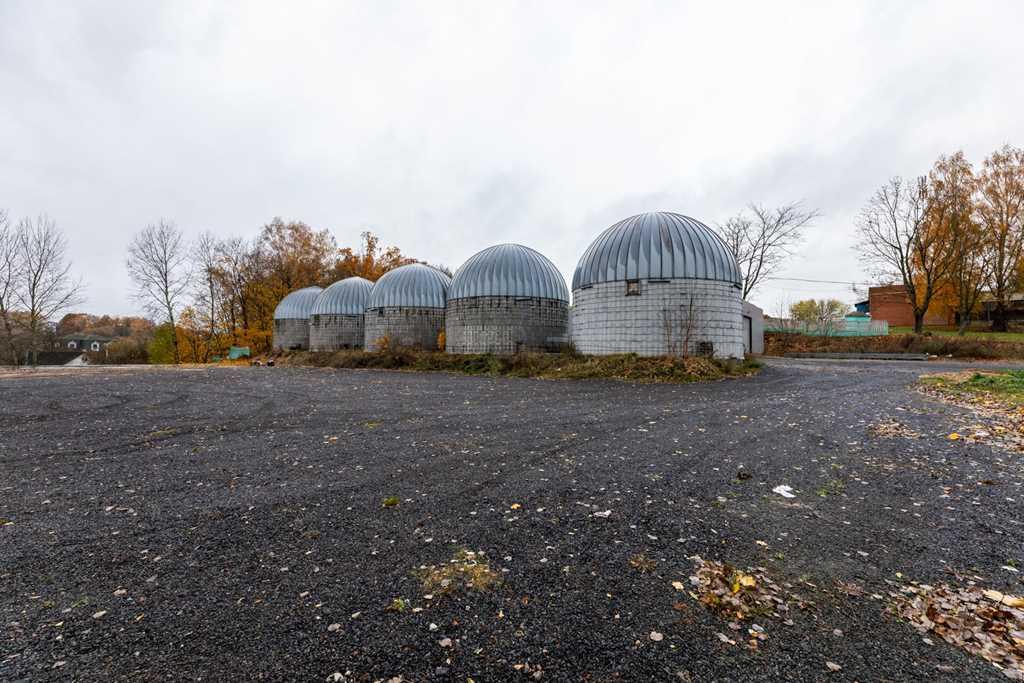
(705, 348)
(632, 288)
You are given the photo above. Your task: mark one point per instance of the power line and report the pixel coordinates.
(829, 282)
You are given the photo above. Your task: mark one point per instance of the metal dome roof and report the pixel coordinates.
(296, 305)
(344, 297)
(508, 270)
(656, 246)
(416, 285)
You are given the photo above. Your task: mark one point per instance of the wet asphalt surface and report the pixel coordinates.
(203, 524)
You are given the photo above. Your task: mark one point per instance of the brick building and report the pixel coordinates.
(892, 304)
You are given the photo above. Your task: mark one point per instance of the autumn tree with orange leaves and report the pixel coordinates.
(237, 283)
(999, 208)
(951, 216)
(954, 238)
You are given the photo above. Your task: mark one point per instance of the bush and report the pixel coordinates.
(130, 351)
(568, 365)
(781, 343)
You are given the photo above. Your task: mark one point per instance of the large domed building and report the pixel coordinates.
(658, 284)
(505, 299)
(336, 317)
(406, 308)
(291, 319)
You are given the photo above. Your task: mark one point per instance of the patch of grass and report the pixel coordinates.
(390, 502)
(398, 605)
(566, 365)
(781, 343)
(467, 570)
(832, 488)
(1007, 386)
(642, 563)
(941, 331)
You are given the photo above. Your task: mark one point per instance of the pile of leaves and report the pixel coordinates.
(985, 623)
(739, 596)
(467, 570)
(894, 430)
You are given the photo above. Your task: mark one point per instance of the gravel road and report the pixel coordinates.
(228, 523)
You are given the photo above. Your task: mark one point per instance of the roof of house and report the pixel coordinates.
(57, 357)
(87, 338)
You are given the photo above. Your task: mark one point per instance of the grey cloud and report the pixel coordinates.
(449, 127)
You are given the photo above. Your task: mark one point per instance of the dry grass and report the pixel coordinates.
(642, 563)
(466, 571)
(538, 365)
(781, 343)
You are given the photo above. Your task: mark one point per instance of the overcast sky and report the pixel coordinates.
(449, 127)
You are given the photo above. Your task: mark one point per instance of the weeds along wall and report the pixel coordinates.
(401, 327)
(505, 324)
(291, 334)
(335, 331)
(658, 318)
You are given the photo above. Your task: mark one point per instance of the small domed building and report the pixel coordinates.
(406, 308)
(291, 319)
(658, 284)
(336, 318)
(506, 299)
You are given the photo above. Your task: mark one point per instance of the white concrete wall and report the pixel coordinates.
(415, 328)
(291, 334)
(330, 332)
(756, 316)
(505, 324)
(663, 318)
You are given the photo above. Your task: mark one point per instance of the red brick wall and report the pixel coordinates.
(891, 304)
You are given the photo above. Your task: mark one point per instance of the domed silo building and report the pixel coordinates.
(505, 299)
(291, 319)
(658, 284)
(406, 308)
(336, 318)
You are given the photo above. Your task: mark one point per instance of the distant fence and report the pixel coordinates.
(848, 327)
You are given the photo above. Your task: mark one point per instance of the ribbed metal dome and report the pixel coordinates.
(508, 270)
(416, 285)
(344, 297)
(297, 304)
(656, 246)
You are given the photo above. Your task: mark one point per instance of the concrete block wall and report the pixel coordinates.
(291, 334)
(660, 319)
(755, 342)
(416, 328)
(331, 332)
(505, 324)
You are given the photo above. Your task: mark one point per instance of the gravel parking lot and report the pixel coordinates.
(230, 524)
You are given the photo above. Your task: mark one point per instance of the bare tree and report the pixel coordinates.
(158, 262)
(10, 276)
(238, 267)
(897, 242)
(1000, 210)
(45, 284)
(206, 261)
(761, 243)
